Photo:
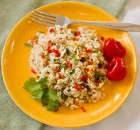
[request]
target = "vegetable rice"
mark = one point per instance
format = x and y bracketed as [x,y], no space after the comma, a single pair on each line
[73,62]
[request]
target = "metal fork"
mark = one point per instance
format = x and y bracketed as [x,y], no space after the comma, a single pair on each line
[48,19]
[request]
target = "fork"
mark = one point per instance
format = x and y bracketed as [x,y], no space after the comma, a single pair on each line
[49,19]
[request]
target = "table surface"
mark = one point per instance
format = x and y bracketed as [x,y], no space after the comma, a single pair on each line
[128,116]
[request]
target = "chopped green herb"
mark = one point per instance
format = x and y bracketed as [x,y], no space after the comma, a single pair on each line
[62,66]
[87,86]
[98,76]
[72,55]
[28,45]
[71,71]
[73,32]
[92,37]
[47,57]
[67,51]
[77,60]
[64,97]
[36,37]
[57,60]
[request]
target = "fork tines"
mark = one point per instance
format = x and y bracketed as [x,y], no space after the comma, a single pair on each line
[44,18]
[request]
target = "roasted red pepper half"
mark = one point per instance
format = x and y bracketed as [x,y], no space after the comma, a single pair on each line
[116,69]
[113,48]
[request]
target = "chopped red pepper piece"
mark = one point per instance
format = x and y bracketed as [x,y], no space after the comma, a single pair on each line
[116,69]
[33,71]
[58,70]
[87,69]
[89,51]
[83,109]
[68,64]
[90,62]
[97,81]
[57,53]
[49,42]
[84,78]
[102,38]
[75,39]
[46,63]
[49,49]
[42,56]
[60,76]
[61,29]
[77,87]
[51,30]
[36,41]
[77,33]
[32,40]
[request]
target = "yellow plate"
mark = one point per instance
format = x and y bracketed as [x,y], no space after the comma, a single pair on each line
[16,70]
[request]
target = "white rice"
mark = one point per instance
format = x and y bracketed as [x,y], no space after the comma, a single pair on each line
[89,90]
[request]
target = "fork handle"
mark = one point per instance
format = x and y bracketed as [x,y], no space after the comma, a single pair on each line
[113,25]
